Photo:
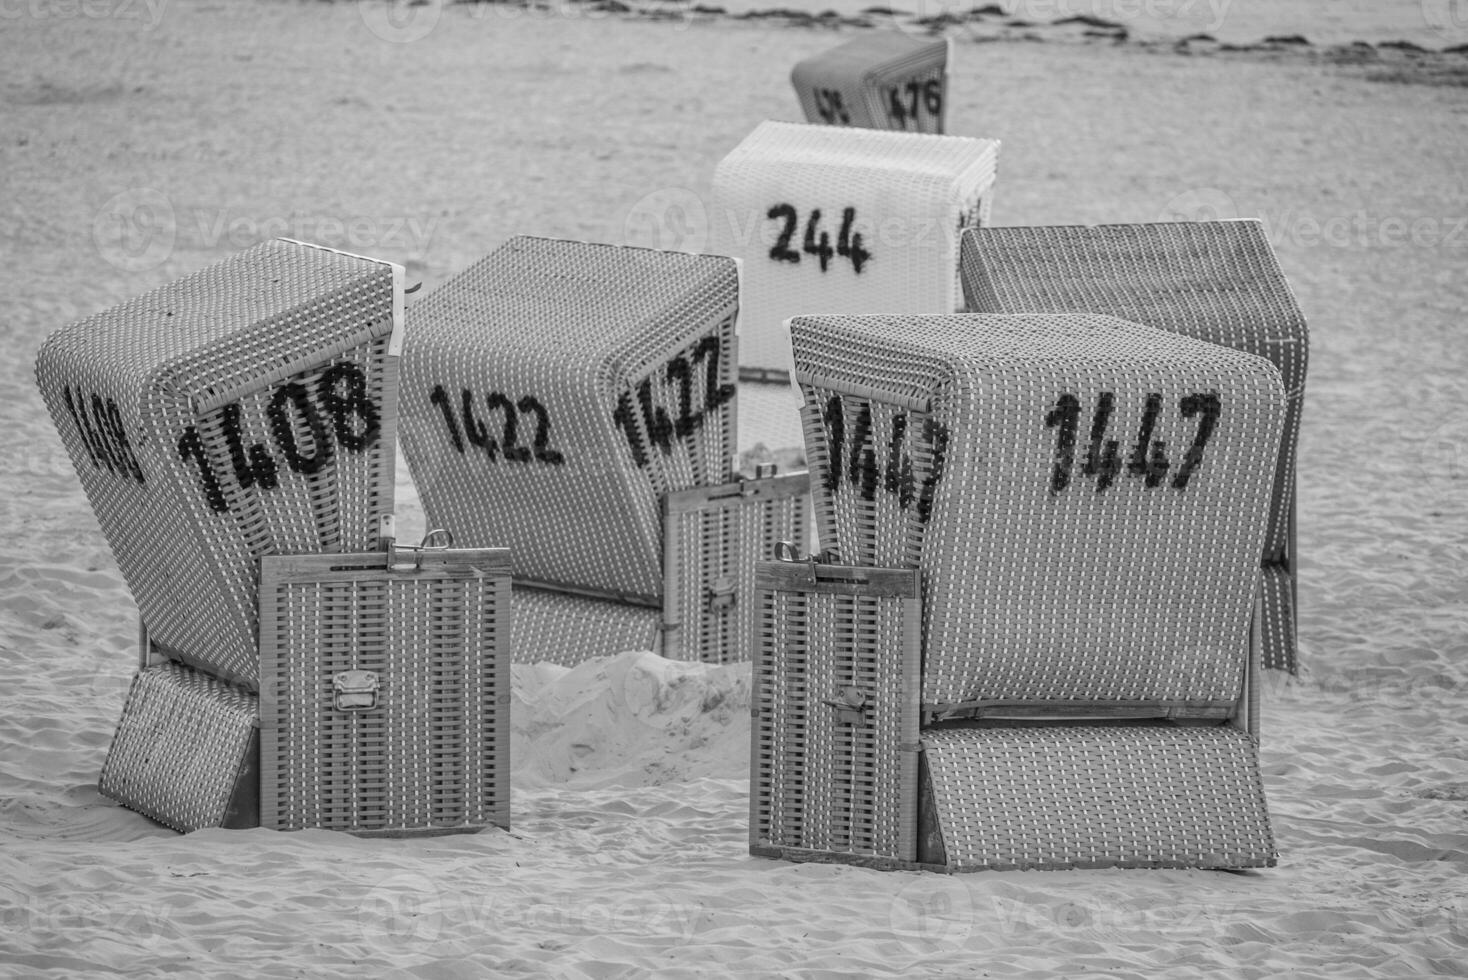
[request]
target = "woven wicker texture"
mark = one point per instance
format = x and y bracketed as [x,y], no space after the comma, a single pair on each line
[822,778]
[831,220]
[1085,497]
[426,750]
[715,538]
[245,410]
[560,628]
[1213,280]
[554,391]
[180,747]
[1092,797]
[881,80]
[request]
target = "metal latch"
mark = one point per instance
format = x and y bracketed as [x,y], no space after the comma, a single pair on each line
[721,596]
[851,708]
[356,690]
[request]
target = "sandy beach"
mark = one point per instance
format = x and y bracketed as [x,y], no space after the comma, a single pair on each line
[147,142]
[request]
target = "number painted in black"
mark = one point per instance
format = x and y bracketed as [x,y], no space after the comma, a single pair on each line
[1065,417]
[781,251]
[298,398]
[440,398]
[823,250]
[933,97]
[250,467]
[849,243]
[714,393]
[1147,458]
[99,423]
[680,372]
[118,433]
[854,460]
[831,107]
[899,479]
[660,428]
[1210,407]
[625,417]
[1102,459]
[357,402]
[936,435]
[930,94]
[654,418]
[509,440]
[191,447]
[836,429]
[540,447]
[474,430]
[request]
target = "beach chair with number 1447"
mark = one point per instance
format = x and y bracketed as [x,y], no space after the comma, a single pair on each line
[1031,640]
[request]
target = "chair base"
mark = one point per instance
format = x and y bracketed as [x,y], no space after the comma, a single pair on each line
[1089,796]
[187,751]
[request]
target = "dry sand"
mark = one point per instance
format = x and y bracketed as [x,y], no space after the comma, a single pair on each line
[134,152]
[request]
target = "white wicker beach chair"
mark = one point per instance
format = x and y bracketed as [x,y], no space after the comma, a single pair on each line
[1084,501]
[576,402]
[840,221]
[382,709]
[881,80]
[242,411]
[1215,280]
[245,416]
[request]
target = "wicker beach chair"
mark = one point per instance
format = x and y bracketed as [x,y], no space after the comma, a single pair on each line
[242,411]
[382,707]
[839,221]
[881,80]
[1083,500]
[576,403]
[1214,280]
[237,427]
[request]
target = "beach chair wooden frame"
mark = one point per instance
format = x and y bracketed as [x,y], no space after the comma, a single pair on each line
[1087,689]
[385,696]
[1218,281]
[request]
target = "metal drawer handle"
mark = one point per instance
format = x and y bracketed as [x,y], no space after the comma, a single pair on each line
[356,690]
